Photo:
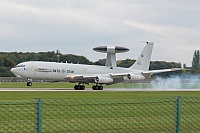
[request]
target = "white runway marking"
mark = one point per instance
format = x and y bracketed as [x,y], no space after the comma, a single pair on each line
[88,89]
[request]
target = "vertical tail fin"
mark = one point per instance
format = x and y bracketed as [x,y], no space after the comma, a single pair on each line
[143,61]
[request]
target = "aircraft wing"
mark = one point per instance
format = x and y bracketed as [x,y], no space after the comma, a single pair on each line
[80,78]
[112,78]
[108,79]
[96,78]
[76,77]
[118,75]
[151,72]
[161,71]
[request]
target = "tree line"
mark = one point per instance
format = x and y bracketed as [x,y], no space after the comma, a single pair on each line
[10,59]
[196,62]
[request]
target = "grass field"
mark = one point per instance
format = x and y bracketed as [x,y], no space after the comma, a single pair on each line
[92,95]
[97,111]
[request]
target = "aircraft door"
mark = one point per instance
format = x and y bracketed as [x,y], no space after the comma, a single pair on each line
[32,69]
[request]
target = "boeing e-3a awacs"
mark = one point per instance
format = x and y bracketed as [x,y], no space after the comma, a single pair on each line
[85,74]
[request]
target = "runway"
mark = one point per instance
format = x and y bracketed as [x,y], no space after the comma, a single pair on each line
[89,90]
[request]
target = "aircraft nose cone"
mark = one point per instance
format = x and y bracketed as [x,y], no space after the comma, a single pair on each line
[12,70]
[16,72]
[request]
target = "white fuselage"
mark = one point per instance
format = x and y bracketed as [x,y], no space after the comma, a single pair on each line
[59,71]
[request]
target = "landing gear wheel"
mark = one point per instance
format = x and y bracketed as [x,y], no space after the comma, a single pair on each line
[29,84]
[79,87]
[83,87]
[100,87]
[76,87]
[96,87]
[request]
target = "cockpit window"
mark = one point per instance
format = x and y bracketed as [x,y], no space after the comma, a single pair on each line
[20,65]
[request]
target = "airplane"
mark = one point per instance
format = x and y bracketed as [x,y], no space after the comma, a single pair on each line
[86,74]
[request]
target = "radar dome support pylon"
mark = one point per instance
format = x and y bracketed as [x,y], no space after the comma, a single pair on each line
[111,54]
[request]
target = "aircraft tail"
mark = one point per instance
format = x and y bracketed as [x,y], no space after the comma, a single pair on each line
[143,61]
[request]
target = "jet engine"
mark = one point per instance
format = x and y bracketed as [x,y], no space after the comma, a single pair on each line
[134,77]
[103,80]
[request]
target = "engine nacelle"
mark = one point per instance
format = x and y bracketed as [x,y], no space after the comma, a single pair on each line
[133,77]
[103,80]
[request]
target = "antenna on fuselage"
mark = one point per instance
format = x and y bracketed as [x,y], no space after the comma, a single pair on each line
[58,55]
[111,54]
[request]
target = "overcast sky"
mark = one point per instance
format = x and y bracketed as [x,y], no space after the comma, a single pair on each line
[77,26]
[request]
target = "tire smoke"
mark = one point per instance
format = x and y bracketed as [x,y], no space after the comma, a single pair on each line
[177,82]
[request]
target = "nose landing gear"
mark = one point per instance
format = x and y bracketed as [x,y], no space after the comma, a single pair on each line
[29,82]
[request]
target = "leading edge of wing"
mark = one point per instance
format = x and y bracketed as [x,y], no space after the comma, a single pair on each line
[161,71]
[70,77]
[92,76]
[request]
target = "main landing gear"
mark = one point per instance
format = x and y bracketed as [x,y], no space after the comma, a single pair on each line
[97,87]
[79,87]
[82,87]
